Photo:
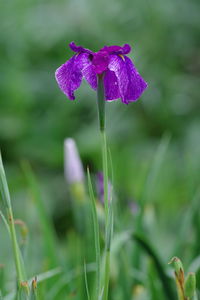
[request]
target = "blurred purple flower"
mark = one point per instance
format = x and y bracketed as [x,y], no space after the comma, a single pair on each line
[121,78]
[72,163]
[134,208]
[100,188]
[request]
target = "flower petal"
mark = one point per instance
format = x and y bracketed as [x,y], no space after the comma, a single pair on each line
[136,84]
[131,84]
[117,49]
[90,75]
[111,86]
[126,49]
[79,49]
[87,69]
[118,66]
[70,74]
[69,77]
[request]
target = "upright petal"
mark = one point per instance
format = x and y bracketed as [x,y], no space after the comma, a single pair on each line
[111,86]
[126,49]
[136,84]
[117,49]
[79,49]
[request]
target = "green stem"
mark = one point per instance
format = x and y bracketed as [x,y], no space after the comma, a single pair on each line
[107,222]
[101,102]
[180,290]
[105,174]
[106,275]
[108,227]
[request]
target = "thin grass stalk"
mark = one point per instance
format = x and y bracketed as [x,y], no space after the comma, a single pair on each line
[167,289]
[19,268]
[96,236]
[106,275]
[7,202]
[86,282]
[46,225]
[5,222]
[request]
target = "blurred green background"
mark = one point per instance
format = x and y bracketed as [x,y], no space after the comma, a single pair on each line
[35,117]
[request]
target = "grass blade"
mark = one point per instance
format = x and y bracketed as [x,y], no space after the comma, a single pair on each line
[46,225]
[96,234]
[155,168]
[5,222]
[67,279]
[169,293]
[86,281]
[19,265]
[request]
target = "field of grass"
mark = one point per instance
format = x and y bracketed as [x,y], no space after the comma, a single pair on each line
[154,144]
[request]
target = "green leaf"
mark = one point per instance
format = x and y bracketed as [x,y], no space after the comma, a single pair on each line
[86,281]
[190,285]
[4,186]
[45,222]
[96,233]
[166,283]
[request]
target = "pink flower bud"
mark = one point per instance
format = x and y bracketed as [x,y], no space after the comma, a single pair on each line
[72,163]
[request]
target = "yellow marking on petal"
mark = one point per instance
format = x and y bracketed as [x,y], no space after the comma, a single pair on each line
[122,56]
[78,54]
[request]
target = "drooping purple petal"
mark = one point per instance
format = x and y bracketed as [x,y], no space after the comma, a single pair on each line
[118,66]
[79,49]
[69,77]
[136,84]
[111,86]
[70,74]
[131,84]
[90,75]
[87,70]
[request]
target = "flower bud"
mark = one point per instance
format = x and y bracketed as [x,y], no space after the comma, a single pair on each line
[190,285]
[178,268]
[72,163]
[33,295]
[24,289]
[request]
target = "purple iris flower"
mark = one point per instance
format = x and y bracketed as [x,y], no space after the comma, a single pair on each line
[121,78]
